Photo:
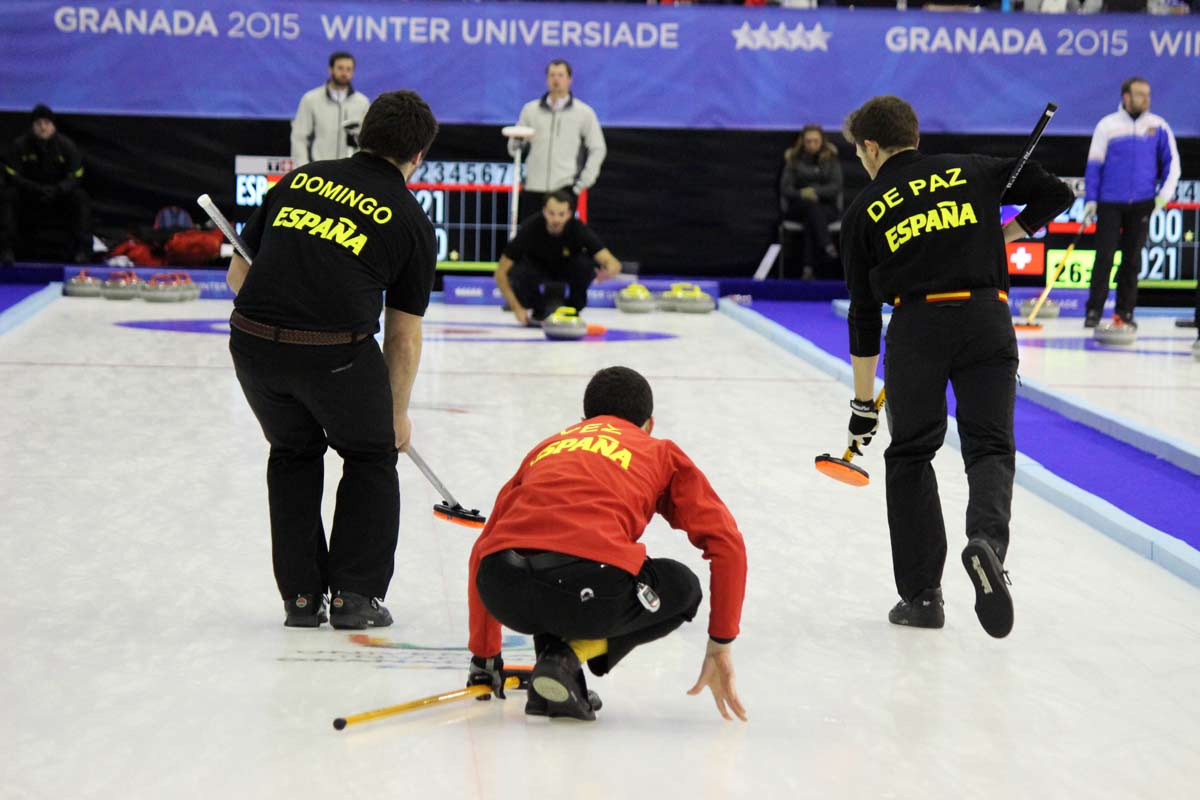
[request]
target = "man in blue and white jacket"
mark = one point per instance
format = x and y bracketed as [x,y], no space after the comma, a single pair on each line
[1133,166]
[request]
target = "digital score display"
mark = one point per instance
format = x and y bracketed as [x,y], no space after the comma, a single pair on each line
[1170,258]
[469,204]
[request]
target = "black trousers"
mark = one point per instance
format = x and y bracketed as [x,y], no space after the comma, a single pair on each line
[582,599]
[531,203]
[24,209]
[972,346]
[1126,224]
[816,218]
[307,398]
[527,278]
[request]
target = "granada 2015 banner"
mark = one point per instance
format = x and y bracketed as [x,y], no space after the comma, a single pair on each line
[639,66]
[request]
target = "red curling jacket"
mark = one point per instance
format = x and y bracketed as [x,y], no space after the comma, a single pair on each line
[601,481]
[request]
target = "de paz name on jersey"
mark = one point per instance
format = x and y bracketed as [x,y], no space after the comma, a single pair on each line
[949,213]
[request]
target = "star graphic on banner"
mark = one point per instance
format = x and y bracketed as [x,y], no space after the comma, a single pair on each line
[818,38]
[744,36]
[762,37]
[781,38]
[799,37]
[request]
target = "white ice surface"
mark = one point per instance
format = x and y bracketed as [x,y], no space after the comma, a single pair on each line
[142,653]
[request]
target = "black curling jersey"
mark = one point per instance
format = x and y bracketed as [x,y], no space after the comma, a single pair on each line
[330,240]
[930,224]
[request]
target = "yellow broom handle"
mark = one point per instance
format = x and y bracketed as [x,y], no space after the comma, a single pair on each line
[424,702]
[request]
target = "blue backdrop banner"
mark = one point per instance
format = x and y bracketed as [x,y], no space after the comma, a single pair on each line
[639,66]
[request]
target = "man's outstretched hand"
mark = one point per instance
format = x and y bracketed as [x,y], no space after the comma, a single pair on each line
[717,674]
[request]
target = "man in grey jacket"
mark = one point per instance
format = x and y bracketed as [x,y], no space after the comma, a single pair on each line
[567,133]
[328,118]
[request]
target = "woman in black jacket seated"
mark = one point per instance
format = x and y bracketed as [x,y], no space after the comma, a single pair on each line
[811,191]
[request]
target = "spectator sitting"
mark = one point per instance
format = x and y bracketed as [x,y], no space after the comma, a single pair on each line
[41,190]
[811,193]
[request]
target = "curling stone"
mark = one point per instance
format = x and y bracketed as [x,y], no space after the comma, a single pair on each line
[121,286]
[564,323]
[1049,309]
[1115,332]
[163,287]
[635,299]
[190,289]
[83,285]
[686,298]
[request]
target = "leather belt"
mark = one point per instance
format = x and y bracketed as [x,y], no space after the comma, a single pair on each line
[959,296]
[537,560]
[287,336]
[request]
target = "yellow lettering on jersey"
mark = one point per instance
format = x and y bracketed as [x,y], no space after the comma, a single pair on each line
[342,230]
[315,184]
[605,445]
[322,228]
[916,185]
[954,172]
[948,214]
[602,445]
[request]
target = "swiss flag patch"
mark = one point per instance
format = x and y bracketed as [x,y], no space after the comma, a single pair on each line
[1026,258]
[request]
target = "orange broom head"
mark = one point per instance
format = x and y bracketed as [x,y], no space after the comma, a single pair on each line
[596,330]
[1027,326]
[841,470]
[459,515]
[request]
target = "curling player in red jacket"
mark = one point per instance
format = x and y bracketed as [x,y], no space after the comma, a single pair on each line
[560,558]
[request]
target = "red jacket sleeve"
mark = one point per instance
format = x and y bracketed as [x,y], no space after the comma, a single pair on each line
[690,504]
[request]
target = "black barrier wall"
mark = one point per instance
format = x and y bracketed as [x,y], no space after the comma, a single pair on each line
[692,202]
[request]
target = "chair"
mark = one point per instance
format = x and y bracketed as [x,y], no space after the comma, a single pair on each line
[787,226]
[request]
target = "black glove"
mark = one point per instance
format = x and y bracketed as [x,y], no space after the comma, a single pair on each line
[864,422]
[487,672]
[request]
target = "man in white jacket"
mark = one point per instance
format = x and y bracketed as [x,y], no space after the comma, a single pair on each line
[567,133]
[328,118]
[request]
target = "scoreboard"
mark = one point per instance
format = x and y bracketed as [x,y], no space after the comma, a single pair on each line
[1170,258]
[467,201]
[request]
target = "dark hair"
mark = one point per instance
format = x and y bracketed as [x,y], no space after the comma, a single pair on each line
[338,56]
[827,150]
[1128,84]
[886,120]
[558,61]
[42,111]
[561,195]
[618,392]
[398,125]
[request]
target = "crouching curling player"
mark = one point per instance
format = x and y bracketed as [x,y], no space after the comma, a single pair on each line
[560,558]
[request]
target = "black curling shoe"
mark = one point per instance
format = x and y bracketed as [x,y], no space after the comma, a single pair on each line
[537,706]
[558,679]
[306,611]
[923,611]
[993,603]
[352,611]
